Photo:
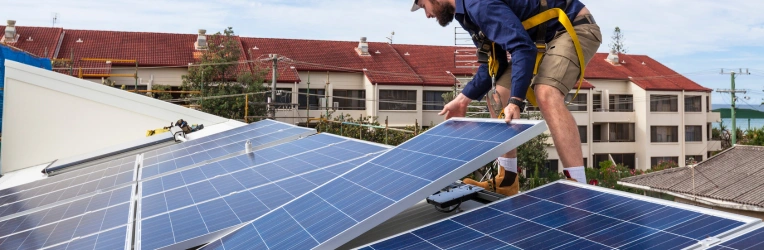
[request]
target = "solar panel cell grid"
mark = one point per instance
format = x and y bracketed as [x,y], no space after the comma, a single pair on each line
[63,223]
[219,195]
[377,188]
[200,153]
[47,195]
[555,216]
[751,240]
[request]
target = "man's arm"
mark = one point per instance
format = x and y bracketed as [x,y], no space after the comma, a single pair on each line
[501,25]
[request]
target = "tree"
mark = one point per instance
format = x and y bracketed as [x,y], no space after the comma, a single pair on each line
[223,79]
[617,43]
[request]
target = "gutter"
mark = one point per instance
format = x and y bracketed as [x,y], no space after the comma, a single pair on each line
[702,200]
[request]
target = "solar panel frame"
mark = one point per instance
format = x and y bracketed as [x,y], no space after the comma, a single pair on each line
[741,238]
[195,241]
[536,127]
[748,222]
[58,202]
[305,133]
[65,223]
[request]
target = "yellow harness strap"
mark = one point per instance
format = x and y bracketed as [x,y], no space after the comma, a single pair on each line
[562,17]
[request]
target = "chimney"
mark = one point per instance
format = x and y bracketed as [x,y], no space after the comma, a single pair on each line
[10,32]
[363,47]
[201,40]
[612,58]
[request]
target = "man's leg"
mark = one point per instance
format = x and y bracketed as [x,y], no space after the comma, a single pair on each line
[557,75]
[506,181]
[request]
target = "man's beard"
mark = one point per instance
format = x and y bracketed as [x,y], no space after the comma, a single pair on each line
[444,13]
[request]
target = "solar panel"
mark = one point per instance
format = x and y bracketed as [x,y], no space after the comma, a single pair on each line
[73,220]
[353,203]
[189,208]
[569,215]
[121,173]
[105,240]
[179,156]
[753,239]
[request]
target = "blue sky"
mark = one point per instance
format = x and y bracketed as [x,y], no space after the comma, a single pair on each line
[696,38]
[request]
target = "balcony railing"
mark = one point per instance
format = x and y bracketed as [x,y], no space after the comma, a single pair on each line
[614,140]
[613,110]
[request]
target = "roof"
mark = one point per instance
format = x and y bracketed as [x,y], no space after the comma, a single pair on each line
[736,175]
[398,64]
[642,70]
[39,41]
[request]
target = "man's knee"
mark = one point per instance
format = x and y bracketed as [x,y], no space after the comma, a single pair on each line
[548,95]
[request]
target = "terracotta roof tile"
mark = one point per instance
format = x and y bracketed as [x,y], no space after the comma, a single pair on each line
[651,75]
[736,175]
[42,40]
[385,67]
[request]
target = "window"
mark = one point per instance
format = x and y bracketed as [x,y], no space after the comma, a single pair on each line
[577,104]
[597,102]
[655,161]
[433,100]
[582,133]
[550,167]
[693,104]
[622,132]
[708,103]
[315,95]
[621,103]
[586,163]
[350,99]
[627,160]
[693,133]
[664,134]
[283,98]
[597,135]
[663,103]
[397,100]
[693,159]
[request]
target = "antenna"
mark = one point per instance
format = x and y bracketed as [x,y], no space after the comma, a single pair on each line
[54,15]
[391,37]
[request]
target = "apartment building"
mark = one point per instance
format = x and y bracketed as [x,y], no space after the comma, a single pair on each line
[631,109]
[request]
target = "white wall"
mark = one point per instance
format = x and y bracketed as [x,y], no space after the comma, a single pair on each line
[165,76]
[49,116]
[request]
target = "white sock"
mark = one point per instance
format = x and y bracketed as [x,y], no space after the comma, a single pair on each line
[509,164]
[578,173]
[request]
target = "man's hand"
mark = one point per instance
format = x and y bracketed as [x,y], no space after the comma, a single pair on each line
[511,112]
[457,107]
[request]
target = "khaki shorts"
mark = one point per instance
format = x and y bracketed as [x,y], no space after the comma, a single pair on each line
[560,67]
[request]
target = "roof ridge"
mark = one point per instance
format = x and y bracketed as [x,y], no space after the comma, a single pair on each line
[397,54]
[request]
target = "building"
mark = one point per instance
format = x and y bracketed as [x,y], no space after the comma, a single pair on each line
[627,110]
[730,181]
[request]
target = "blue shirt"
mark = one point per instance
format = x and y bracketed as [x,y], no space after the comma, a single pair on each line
[501,22]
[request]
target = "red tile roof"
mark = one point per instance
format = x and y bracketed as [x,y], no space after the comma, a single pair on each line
[651,75]
[42,40]
[394,64]
[385,67]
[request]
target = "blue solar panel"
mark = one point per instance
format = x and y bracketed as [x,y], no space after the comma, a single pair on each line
[106,240]
[349,205]
[567,215]
[751,240]
[204,200]
[121,173]
[66,222]
[167,160]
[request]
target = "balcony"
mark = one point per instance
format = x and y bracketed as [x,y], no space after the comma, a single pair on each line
[714,117]
[614,115]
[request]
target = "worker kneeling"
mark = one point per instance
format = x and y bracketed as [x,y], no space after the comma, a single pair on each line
[497,27]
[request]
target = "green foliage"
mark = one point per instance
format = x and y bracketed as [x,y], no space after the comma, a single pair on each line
[161,96]
[754,137]
[366,133]
[617,43]
[221,74]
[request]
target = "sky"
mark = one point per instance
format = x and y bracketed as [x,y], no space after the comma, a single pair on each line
[695,38]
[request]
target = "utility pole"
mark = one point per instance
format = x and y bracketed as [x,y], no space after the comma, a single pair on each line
[275,59]
[732,92]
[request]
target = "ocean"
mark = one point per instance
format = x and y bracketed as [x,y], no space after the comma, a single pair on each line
[741,123]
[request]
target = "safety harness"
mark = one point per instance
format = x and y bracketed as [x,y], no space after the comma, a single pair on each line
[540,20]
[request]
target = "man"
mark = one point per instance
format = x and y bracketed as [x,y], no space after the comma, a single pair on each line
[500,23]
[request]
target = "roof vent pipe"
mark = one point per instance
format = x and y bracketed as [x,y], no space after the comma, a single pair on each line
[10,32]
[612,58]
[363,47]
[201,40]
